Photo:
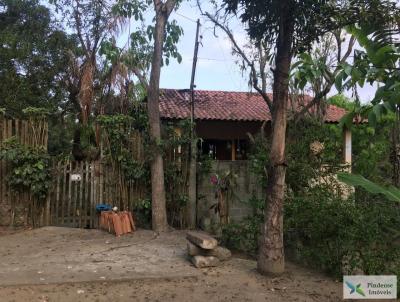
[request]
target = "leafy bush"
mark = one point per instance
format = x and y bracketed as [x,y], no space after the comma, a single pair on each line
[30,167]
[243,236]
[341,236]
[325,231]
[142,212]
[304,166]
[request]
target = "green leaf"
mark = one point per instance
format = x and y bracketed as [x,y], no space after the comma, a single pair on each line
[372,119]
[347,120]
[347,69]
[356,180]
[179,58]
[339,80]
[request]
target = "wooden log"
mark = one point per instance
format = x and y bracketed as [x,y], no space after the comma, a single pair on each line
[220,252]
[202,261]
[202,240]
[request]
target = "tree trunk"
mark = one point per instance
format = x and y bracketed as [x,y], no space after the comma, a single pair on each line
[396,149]
[159,211]
[271,254]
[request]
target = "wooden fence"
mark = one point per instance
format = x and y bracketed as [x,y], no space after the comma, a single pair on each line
[80,186]
[77,186]
[13,205]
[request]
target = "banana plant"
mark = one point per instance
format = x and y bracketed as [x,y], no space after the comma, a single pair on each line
[392,193]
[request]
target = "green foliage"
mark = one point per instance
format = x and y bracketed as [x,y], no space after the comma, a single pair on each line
[322,229]
[371,145]
[175,147]
[243,235]
[36,112]
[259,158]
[391,193]
[141,48]
[32,57]
[307,70]
[131,8]
[60,136]
[372,148]
[173,138]
[225,181]
[376,63]
[341,236]
[204,165]
[224,187]
[342,101]
[311,19]
[303,165]
[30,167]
[142,212]
[118,129]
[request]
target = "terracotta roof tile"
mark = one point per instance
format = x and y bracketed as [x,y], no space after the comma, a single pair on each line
[225,105]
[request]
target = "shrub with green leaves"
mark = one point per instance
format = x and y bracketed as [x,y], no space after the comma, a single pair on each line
[30,167]
[142,212]
[243,235]
[117,129]
[341,236]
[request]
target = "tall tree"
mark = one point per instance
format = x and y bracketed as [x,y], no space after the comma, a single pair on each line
[145,57]
[92,22]
[159,210]
[32,57]
[290,26]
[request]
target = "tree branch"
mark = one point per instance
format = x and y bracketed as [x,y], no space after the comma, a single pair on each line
[241,53]
[169,6]
[78,28]
[330,79]
[142,78]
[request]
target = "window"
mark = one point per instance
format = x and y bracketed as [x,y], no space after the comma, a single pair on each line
[225,149]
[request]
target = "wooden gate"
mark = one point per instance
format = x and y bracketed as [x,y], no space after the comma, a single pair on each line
[73,196]
[80,186]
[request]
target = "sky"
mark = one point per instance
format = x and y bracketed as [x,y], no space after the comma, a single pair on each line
[217,68]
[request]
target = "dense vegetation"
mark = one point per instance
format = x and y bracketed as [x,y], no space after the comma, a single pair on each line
[65,60]
[341,234]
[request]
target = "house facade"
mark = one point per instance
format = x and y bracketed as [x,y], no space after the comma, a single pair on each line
[224,121]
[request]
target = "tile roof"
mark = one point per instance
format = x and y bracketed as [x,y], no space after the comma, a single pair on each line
[225,105]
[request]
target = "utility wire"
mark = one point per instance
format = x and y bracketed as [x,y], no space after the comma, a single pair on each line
[188,18]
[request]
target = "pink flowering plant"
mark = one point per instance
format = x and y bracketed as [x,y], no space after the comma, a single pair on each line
[223,193]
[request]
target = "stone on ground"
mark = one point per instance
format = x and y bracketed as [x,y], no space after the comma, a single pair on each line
[220,252]
[202,240]
[203,261]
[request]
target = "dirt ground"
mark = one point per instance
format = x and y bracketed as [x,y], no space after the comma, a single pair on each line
[61,264]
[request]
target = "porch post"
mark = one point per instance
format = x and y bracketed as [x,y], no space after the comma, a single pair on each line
[233,157]
[347,148]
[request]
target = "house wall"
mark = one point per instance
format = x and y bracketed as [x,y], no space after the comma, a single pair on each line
[245,187]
